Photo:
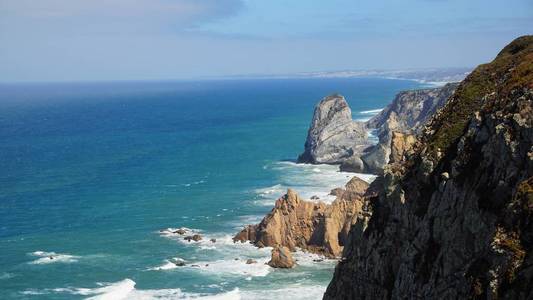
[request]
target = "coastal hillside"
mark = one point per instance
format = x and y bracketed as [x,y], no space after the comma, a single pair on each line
[453,220]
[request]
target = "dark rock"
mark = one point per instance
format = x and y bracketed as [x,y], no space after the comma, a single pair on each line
[195,238]
[454,219]
[353,164]
[180,231]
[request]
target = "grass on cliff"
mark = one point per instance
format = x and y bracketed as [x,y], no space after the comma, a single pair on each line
[511,69]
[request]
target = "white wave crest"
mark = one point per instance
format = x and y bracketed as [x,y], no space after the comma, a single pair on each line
[125,289]
[309,181]
[371,111]
[52,257]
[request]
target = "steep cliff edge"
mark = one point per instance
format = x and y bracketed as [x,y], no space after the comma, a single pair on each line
[333,136]
[455,218]
[312,226]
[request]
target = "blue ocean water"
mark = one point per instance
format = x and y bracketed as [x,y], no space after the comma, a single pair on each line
[90,173]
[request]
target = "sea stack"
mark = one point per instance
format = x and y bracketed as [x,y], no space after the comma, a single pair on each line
[333,136]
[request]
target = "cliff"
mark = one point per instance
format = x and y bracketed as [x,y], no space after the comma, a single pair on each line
[453,219]
[406,115]
[410,110]
[333,136]
[312,226]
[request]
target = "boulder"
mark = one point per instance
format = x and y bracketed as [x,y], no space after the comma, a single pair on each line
[180,231]
[353,164]
[195,238]
[281,258]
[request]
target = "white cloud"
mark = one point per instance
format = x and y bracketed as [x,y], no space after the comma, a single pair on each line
[113,15]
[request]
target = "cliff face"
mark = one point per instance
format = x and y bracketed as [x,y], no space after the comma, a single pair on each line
[410,110]
[455,218]
[313,226]
[406,115]
[333,135]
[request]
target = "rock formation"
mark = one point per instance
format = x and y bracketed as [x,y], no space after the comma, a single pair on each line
[410,110]
[406,115]
[281,258]
[313,226]
[454,220]
[333,135]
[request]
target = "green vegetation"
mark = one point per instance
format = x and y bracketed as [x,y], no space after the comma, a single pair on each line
[511,69]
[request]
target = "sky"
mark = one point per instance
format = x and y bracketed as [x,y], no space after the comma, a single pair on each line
[79,40]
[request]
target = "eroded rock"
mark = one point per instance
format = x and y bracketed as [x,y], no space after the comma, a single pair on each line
[333,136]
[281,258]
[313,226]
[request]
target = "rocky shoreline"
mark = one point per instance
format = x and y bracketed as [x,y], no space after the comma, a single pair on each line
[334,138]
[450,214]
[453,219]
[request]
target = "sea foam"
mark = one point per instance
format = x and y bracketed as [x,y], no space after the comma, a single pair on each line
[125,289]
[52,257]
[307,180]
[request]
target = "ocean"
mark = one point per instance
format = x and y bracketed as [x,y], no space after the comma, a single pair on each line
[91,173]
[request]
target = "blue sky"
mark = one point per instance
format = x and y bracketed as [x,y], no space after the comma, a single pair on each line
[70,40]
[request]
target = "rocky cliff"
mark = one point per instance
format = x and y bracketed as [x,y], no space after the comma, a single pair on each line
[406,115]
[313,226]
[333,136]
[410,110]
[454,220]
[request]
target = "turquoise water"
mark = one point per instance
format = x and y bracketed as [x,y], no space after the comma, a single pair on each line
[90,174]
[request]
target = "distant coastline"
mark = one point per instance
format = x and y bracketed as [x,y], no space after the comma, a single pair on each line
[430,76]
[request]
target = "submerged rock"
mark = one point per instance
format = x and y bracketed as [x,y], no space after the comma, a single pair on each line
[333,136]
[180,231]
[195,238]
[251,261]
[281,258]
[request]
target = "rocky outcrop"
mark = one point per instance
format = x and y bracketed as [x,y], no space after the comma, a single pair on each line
[454,219]
[406,115]
[313,226]
[410,110]
[333,135]
[281,258]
